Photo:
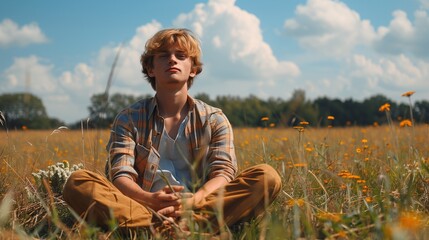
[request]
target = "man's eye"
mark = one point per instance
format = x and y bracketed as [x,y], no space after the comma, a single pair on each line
[181,56]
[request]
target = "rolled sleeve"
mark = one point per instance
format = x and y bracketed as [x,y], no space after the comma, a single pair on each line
[221,154]
[121,149]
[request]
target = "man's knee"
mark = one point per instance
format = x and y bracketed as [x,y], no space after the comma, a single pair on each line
[271,178]
[267,178]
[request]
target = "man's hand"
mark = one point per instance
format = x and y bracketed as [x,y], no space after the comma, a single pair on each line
[170,201]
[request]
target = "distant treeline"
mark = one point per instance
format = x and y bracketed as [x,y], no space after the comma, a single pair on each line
[22,110]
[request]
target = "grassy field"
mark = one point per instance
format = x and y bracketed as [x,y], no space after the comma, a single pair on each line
[338,183]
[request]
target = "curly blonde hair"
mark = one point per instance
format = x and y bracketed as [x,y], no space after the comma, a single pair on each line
[164,39]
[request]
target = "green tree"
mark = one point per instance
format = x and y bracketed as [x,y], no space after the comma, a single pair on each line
[25,109]
[103,110]
[301,109]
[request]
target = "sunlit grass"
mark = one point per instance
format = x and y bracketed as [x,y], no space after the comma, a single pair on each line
[354,182]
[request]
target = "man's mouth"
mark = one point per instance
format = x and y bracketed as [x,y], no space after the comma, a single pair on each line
[173,69]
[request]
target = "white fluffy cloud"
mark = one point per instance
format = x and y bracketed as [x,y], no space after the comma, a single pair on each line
[404,36]
[362,61]
[65,96]
[424,4]
[11,34]
[390,76]
[329,27]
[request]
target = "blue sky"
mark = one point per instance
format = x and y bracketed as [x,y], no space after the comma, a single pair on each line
[62,51]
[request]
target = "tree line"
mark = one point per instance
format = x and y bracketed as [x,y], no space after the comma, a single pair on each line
[23,110]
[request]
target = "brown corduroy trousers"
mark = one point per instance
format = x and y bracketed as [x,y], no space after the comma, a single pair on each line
[97,200]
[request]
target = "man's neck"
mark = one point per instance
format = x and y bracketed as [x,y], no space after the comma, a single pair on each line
[171,104]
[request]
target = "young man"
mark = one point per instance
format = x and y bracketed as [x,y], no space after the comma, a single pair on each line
[172,153]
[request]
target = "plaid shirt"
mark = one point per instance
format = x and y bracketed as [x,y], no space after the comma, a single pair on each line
[136,133]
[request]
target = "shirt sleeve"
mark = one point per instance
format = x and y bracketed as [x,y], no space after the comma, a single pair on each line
[221,153]
[121,147]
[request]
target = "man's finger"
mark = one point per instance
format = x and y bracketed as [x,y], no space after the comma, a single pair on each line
[166,211]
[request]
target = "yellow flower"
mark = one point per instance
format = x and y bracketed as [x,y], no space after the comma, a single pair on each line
[384,108]
[292,202]
[327,216]
[405,123]
[408,94]
[411,221]
[331,117]
[299,128]
[304,123]
[272,124]
[353,177]
[368,199]
[364,140]
[300,165]
[265,119]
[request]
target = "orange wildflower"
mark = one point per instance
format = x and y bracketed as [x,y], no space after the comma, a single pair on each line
[384,108]
[300,165]
[265,119]
[292,202]
[411,221]
[334,217]
[331,117]
[405,123]
[408,94]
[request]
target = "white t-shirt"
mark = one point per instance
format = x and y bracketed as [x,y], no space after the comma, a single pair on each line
[174,163]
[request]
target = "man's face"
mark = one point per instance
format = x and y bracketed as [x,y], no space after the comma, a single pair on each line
[171,68]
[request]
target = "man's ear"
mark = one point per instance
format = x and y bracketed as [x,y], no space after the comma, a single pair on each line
[193,72]
[150,72]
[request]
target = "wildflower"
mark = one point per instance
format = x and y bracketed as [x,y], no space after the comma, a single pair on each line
[411,221]
[353,177]
[344,173]
[361,181]
[405,123]
[384,108]
[272,125]
[304,123]
[342,234]
[364,140]
[327,216]
[265,119]
[300,165]
[331,117]
[358,150]
[292,202]
[408,94]
[368,199]
[299,128]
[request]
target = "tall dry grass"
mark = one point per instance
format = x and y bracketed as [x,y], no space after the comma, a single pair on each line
[351,183]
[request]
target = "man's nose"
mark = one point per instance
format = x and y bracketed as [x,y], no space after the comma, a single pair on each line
[172,59]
